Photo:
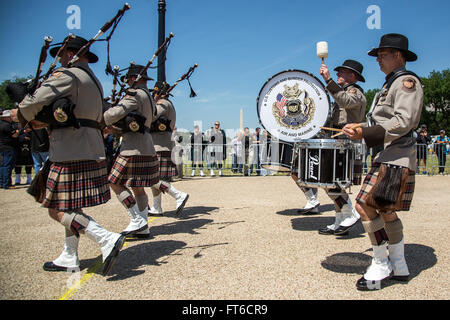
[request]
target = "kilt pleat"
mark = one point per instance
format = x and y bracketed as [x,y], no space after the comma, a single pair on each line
[371,179]
[135,171]
[76,184]
[167,168]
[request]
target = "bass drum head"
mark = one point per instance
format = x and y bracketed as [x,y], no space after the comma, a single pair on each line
[293,105]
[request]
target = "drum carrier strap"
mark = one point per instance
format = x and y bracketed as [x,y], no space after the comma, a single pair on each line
[386,86]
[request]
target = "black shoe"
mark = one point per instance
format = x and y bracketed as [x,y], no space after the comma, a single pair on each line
[50,266]
[112,257]
[368,285]
[326,231]
[400,278]
[311,211]
[341,230]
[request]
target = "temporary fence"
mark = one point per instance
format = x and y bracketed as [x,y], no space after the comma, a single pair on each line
[431,159]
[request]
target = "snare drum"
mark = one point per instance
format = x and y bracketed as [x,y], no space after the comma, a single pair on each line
[278,157]
[325,163]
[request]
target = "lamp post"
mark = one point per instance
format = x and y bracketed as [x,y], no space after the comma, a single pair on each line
[161,38]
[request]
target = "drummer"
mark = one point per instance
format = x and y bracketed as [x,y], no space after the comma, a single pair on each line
[348,107]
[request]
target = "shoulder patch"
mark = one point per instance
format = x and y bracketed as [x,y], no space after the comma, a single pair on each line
[352,91]
[56,74]
[409,84]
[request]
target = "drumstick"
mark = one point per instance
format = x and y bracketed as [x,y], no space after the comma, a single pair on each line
[331,129]
[342,132]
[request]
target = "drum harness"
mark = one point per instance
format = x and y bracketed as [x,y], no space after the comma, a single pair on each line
[387,85]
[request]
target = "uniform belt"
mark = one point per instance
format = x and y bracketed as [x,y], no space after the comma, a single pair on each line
[89,123]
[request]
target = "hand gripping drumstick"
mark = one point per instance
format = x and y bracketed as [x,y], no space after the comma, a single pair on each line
[342,132]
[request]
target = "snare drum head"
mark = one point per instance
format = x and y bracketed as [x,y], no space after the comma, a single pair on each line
[293,105]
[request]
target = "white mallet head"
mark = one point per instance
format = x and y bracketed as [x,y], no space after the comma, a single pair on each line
[322,49]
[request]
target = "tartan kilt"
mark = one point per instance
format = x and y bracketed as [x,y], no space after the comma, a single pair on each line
[371,178]
[167,169]
[76,184]
[135,171]
[357,172]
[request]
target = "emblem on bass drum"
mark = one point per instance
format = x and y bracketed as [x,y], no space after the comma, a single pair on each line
[293,105]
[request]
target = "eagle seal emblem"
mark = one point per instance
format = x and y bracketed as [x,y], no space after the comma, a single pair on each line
[293,107]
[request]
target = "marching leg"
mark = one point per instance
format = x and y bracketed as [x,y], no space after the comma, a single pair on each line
[156,209]
[396,247]
[68,259]
[138,219]
[350,215]
[110,242]
[380,268]
[312,203]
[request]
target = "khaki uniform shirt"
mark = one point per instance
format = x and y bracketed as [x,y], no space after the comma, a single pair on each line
[134,143]
[350,104]
[69,144]
[398,111]
[163,140]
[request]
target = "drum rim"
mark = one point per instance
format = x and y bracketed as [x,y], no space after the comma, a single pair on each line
[275,75]
[326,142]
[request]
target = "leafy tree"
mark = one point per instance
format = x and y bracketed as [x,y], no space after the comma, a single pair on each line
[370,95]
[436,101]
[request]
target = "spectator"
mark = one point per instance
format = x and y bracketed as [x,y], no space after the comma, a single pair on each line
[7,149]
[236,152]
[246,143]
[198,144]
[219,147]
[440,147]
[39,148]
[209,151]
[177,153]
[24,158]
[422,144]
[256,163]
[265,142]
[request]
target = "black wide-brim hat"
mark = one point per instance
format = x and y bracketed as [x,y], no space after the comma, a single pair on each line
[354,66]
[134,70]
[76,44]
[394,41]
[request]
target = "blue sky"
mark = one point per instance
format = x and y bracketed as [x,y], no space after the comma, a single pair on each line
[238,44]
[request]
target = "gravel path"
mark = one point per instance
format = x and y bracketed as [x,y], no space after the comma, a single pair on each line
[239,238]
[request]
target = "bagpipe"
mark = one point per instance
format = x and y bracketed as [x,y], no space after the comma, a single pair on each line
[60,113]
[163,89]
[134,121]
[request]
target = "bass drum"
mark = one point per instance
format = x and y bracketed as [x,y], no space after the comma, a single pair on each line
[278,157]
[293,105]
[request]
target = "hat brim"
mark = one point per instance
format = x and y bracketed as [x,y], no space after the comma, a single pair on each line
[92,58]
[361,78]
[409,55]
